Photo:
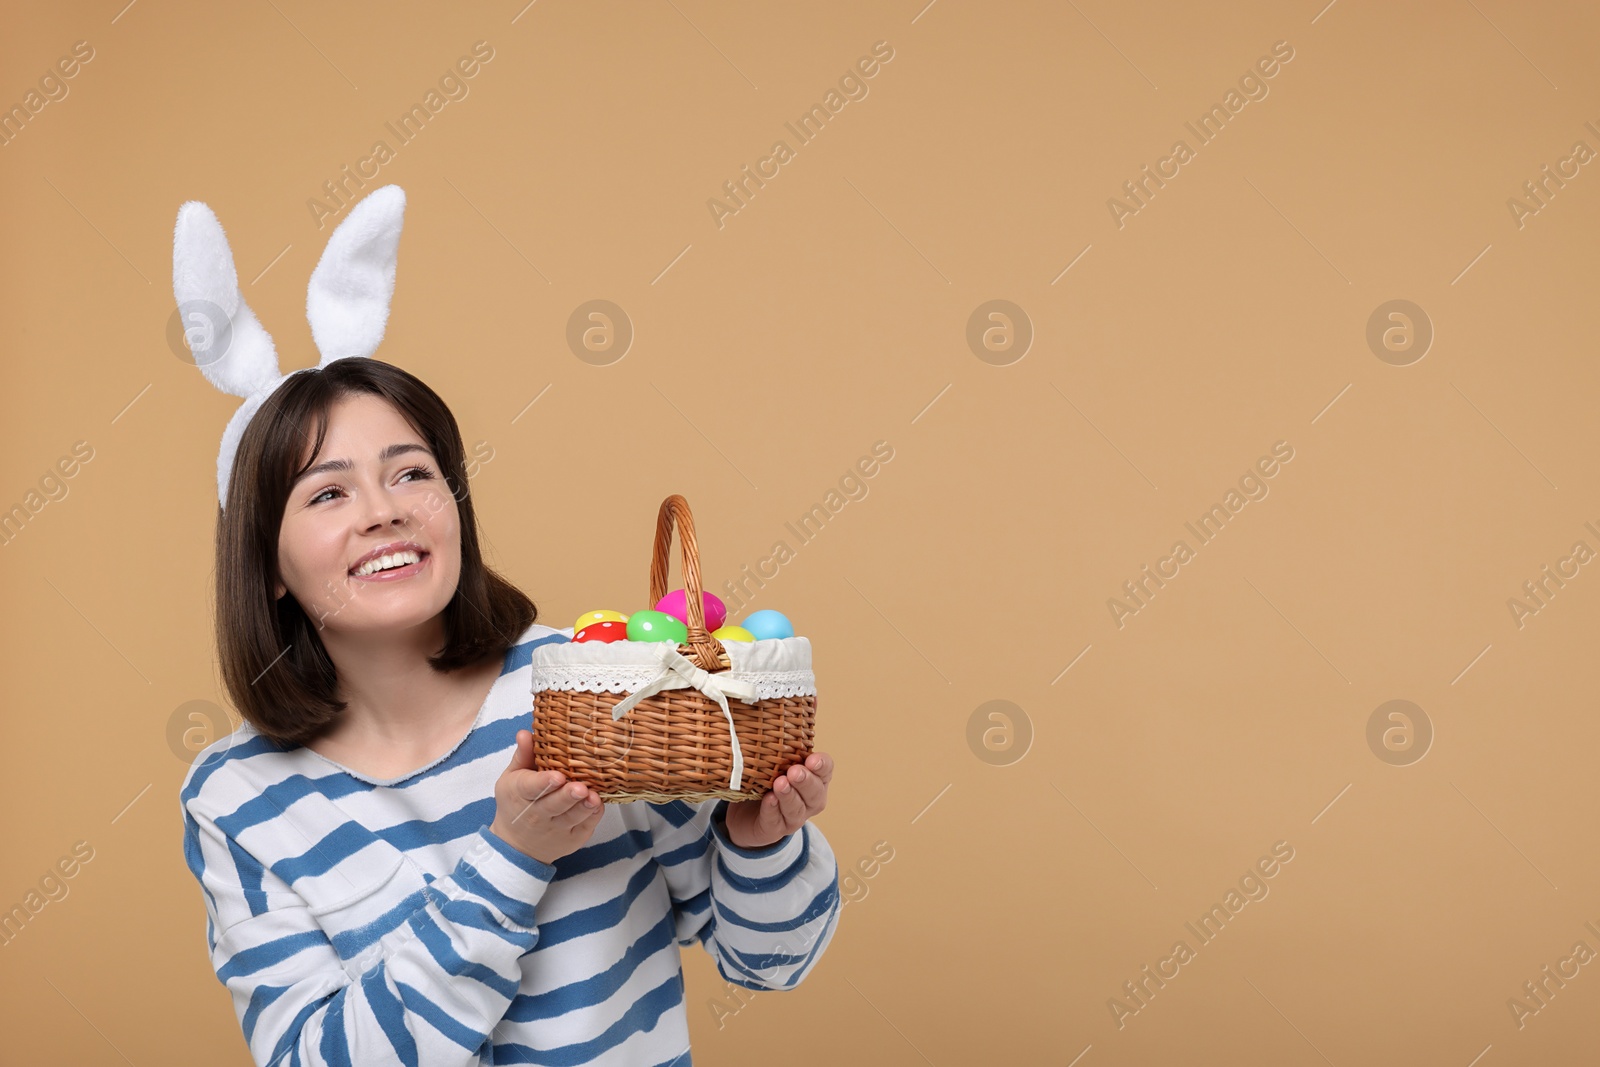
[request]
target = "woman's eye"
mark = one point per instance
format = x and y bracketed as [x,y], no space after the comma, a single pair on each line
[423,473]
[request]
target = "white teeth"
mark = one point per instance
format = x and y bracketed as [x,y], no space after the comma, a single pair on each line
[398,559]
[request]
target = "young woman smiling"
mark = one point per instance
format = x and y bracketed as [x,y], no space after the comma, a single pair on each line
[381,884]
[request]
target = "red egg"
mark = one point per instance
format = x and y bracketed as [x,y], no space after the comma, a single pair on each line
[603,631]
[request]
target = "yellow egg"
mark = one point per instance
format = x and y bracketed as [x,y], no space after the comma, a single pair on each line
[733,633]
[589,617]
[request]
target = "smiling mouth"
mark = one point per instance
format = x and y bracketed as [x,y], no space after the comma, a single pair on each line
[402,564]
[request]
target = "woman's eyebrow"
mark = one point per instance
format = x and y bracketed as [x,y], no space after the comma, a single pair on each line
[344,464]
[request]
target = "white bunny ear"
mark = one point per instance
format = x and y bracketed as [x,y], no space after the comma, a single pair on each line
[347,302]
[230,346]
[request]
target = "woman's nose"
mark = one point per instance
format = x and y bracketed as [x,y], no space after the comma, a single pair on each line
[383,507]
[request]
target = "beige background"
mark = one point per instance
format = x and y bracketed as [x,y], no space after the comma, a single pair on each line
[831,312]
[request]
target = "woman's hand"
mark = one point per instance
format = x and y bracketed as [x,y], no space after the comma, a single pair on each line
[540,813]
[796,795]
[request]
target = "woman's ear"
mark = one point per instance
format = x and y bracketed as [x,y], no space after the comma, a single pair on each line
[279,594]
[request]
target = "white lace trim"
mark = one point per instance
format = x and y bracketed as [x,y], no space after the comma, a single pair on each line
[620,678]
[777,668]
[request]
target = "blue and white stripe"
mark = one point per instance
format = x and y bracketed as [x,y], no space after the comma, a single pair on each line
[364,922]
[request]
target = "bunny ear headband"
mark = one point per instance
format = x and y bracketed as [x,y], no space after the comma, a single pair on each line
[347,304]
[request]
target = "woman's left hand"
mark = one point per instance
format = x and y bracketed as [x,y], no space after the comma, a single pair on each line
[796,795]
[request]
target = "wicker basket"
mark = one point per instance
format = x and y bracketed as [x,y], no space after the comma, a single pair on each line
[675,741]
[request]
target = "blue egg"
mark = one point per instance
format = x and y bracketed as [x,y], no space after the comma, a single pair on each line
[767,624]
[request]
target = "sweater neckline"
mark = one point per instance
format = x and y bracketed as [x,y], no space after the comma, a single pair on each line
[476,722]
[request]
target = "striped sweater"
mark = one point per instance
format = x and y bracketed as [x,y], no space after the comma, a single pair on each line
[363,922]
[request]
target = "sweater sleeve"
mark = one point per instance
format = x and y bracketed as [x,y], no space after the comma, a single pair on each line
[430,995]
[765,915]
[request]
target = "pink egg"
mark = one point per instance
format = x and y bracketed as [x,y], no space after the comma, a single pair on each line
[603,631]
[676,604]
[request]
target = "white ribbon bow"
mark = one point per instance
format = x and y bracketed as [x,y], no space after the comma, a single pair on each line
[679,672]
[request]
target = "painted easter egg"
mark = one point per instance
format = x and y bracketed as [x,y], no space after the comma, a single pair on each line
[590,617]
[656,626]
[767,624]
[607,630]
[733,633]
[676,604]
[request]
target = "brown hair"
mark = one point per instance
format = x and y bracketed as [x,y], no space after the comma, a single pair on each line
[274,665]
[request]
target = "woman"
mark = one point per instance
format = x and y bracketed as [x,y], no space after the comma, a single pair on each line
[385,877]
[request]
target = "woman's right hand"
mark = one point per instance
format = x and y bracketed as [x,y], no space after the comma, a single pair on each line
[539,813]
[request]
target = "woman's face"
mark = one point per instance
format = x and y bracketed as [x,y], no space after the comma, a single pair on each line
[375,488]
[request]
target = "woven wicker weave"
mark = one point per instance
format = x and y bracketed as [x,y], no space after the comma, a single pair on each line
[674,744]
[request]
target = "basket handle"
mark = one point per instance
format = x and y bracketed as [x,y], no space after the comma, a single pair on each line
[704,650]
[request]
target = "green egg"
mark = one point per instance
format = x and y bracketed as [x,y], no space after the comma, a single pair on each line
[650,625]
